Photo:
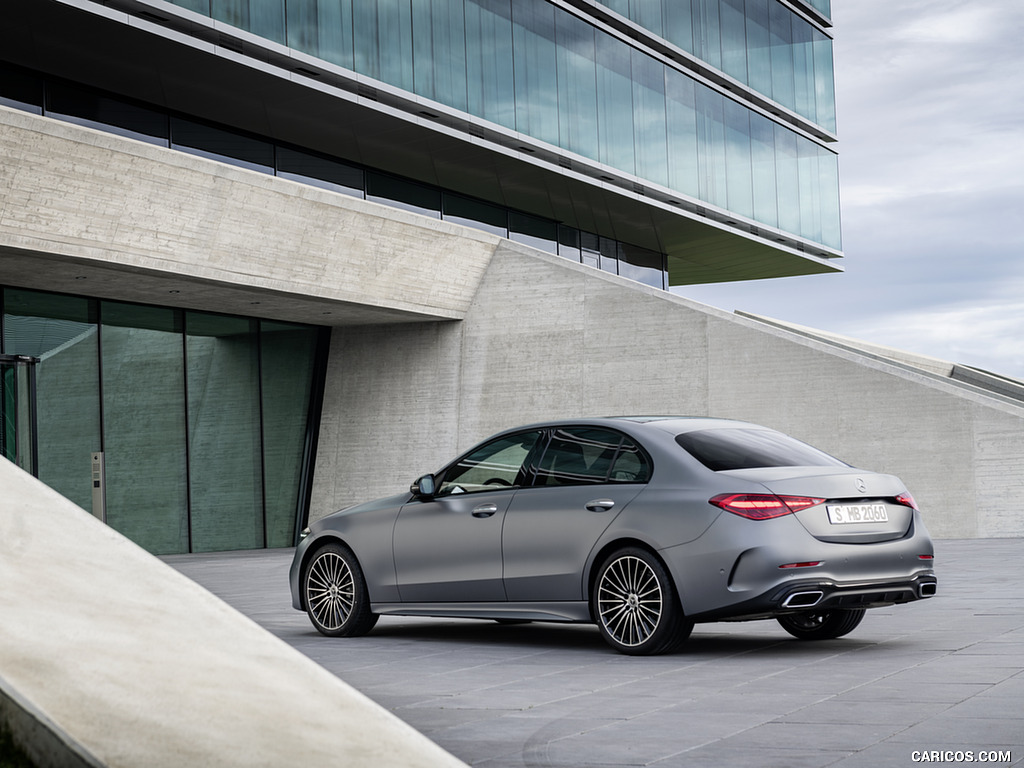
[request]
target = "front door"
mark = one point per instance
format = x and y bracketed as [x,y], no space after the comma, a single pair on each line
[448,548]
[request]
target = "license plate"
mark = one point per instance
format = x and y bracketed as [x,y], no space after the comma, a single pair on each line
[848,514]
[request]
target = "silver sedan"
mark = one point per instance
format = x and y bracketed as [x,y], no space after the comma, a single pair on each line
[642,526]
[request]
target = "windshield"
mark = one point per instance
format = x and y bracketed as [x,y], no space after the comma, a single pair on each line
[742,448]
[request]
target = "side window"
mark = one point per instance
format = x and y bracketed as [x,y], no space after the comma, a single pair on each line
[583,455]
[631,465]
[490,467]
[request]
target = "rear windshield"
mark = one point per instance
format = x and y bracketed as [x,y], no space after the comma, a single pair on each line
[739,448]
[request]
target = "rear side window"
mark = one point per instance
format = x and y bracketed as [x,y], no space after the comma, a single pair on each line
[586,455]
[739,448]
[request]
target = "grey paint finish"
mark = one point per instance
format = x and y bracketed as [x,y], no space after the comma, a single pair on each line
[536,550]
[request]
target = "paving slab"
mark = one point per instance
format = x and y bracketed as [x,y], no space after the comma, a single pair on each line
[941,675]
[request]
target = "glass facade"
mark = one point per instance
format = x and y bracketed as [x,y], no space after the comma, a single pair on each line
[536,68]
[824,7]
[202,418]
[94,109]
[761,43]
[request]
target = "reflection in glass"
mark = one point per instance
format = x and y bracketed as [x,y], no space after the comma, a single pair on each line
[287,354]
[223,145]
[400,193]
[319,171]
[224,450]
[476,214]
[61,331]
[540,233]
[96,110]
[536,68]
[144,425]
[643,265]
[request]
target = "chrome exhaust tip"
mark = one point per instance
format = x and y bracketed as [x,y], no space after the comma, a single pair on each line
[928,589]
[803,599]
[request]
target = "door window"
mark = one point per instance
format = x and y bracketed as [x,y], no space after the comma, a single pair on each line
[583,455]
[493,466]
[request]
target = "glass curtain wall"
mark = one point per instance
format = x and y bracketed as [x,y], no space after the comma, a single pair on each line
[760,43]
[62,332]
[535,68]
[143,425]
[287,356]
[222,373]
[202,418]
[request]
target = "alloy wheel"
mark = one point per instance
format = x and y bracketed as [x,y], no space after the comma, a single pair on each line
[630,601]
[330,590]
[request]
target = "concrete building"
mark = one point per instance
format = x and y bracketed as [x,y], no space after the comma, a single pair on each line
[260,259]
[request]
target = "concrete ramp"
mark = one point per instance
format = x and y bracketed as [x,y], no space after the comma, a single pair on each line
[109,657]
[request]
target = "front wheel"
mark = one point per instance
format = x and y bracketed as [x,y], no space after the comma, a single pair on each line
[335,593]
[821,625]
[635,605]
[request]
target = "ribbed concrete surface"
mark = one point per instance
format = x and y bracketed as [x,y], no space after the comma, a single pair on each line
[137,666]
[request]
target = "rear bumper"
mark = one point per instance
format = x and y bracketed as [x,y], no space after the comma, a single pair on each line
[824,595]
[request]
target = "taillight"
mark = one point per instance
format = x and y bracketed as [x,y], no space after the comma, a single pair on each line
[762,506]
[907,500]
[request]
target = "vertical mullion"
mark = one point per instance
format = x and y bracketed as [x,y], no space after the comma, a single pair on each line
[263,454]
[188,431]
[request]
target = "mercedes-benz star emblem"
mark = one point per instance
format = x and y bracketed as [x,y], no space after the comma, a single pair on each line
[861,485]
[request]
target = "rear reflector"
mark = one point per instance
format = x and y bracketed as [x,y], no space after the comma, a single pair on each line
[809,564]
[762,506]
[926,557]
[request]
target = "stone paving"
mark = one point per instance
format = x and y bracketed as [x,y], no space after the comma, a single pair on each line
[938,681]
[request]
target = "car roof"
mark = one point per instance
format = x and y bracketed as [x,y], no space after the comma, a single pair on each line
[677,424]
[671,424]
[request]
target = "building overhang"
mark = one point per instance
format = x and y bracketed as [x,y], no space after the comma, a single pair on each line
[87,212]
[191,64]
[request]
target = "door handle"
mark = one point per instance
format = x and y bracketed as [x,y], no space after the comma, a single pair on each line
[485,510]
[600,505]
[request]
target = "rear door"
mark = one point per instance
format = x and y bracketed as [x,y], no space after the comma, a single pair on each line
[584,480]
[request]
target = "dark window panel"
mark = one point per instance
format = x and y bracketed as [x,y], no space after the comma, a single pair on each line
[404,194]
[319,171]
[220,144]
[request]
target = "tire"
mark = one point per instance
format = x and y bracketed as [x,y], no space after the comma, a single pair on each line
[635,605]
[335,594]
[821,625]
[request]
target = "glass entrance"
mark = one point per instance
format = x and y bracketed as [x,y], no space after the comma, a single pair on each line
[18,411]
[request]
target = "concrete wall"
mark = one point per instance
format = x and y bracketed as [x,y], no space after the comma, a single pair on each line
[110,657]
[228,236]
[545,338]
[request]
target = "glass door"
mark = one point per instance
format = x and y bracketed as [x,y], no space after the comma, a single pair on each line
[18,411]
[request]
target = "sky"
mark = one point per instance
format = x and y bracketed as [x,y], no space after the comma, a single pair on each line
[930,113]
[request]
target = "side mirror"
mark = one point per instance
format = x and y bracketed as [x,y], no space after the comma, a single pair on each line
[424,487]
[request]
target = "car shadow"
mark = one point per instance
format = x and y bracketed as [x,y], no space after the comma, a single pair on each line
[706,640]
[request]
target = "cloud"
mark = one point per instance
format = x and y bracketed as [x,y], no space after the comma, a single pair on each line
[989,336]
[957,25]
[930,103]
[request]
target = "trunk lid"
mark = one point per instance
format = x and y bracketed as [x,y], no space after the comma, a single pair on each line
[859,508]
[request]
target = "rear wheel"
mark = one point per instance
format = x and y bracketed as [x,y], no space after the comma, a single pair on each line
[821,625]
[335,593]
[635,604]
